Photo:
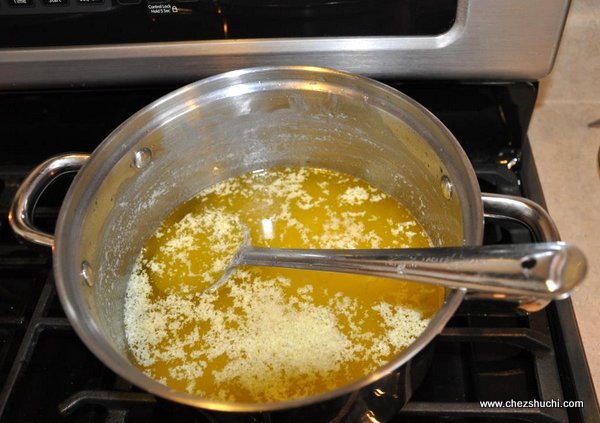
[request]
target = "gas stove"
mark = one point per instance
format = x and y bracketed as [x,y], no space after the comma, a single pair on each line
[488,352]
[67,82]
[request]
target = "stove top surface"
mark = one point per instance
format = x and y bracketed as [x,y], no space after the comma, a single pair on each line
[487,352]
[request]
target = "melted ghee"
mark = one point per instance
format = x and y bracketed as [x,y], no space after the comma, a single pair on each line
[273,334]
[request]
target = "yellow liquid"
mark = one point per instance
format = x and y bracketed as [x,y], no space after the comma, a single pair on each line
[273,334]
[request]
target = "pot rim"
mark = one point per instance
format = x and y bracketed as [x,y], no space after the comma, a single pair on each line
[70,293]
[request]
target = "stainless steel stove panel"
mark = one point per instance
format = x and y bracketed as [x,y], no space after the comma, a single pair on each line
[490,39]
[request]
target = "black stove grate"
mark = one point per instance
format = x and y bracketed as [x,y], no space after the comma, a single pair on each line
[487,352]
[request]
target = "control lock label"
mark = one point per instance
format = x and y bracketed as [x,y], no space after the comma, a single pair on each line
[162,9]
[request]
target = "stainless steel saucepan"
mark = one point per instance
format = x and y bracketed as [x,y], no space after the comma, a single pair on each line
[227,125]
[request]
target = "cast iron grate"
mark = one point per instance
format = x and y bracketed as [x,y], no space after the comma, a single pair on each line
[487,352]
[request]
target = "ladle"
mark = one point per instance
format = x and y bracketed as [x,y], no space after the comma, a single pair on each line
[542,270]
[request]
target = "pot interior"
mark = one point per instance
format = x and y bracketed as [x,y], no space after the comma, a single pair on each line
[228,125]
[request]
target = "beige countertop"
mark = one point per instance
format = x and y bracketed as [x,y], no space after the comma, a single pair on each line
[565,149]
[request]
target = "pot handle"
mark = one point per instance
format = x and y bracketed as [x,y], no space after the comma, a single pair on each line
[536,219]
[521,210]
[21,211]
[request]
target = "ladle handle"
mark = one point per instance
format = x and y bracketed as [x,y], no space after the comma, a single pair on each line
[544,270]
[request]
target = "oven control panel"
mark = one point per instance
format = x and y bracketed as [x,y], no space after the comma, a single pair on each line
[62,7]
[26,23]
[45,7]
[70,43]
